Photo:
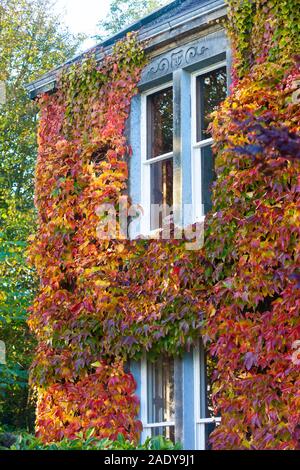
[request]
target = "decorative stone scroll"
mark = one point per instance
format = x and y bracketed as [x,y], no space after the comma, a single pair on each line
[184,56]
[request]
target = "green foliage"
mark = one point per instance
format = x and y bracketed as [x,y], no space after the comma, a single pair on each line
[241,21]
[124,12]
[31,42]
[26,441]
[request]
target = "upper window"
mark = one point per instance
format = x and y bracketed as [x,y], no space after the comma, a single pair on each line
[159,162]
[211,91]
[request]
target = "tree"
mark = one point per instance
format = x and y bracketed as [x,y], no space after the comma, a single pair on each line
[124,12]
[32,41]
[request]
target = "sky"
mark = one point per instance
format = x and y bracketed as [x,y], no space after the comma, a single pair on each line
[82,16]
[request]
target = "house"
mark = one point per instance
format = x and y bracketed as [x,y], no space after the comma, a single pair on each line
[186,77]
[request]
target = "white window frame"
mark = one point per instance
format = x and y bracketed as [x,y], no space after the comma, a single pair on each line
[146,163]
[200,391]
[147,427]
[198,210]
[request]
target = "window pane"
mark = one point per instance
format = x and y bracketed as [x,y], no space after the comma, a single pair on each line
[161,187]
[211,91]
[207,411]
[160,377]
[166,431]
[208,176]
[160,123]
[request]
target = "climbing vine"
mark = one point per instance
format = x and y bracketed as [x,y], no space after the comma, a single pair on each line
[81,164]
[104,301]
[253,241]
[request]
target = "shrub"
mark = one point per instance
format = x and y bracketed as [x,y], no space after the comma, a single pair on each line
[25,441]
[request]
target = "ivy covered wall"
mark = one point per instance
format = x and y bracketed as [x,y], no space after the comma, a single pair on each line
[253,240]
[104,301]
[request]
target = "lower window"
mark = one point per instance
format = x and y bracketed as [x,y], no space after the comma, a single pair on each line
[157,401]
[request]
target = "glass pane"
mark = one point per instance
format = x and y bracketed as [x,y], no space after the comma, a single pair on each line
[207,366]
[160,123]
[160,377]
[209,428]
[211,91]
[161,187]
[166,431]
[208,176]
